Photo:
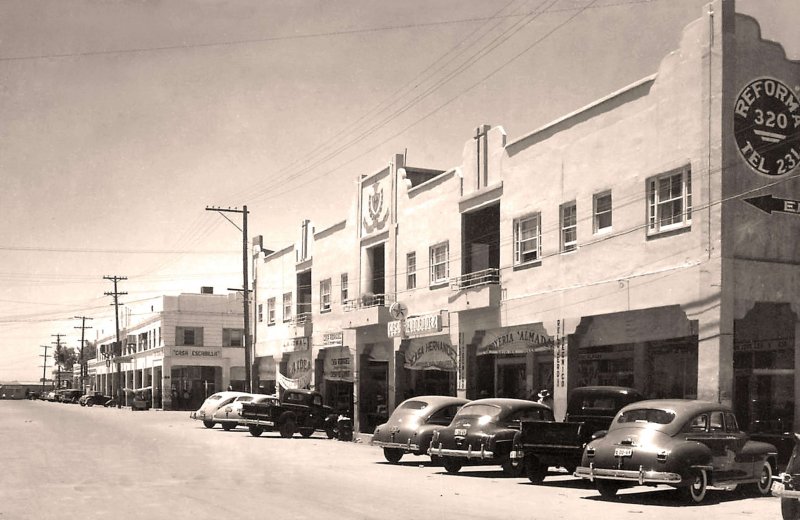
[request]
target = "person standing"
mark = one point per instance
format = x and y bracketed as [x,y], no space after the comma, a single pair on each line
[545,398]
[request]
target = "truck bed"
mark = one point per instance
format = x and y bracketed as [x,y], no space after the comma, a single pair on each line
[552,435]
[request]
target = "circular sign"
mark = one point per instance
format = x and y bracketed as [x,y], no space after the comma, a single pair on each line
[398,311]
[766,126]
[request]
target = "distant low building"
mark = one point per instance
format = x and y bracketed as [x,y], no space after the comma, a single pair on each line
[22,389]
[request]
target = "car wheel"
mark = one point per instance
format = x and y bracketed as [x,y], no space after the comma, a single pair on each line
[228,426]
[607,488]
[451,465]
[763,487]
[89,403]
[286,429]
[207,424]
[256,431]
[536,471]
[513,469]
[393,455]
[695,492]
[307,432]
[790,508]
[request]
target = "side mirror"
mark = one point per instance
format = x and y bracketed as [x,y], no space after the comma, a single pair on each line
[599,434]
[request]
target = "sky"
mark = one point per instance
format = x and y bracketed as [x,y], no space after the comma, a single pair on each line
[122,120]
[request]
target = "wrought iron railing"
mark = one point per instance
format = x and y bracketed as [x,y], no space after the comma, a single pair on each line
[477,279]
[367,301]
[302,318]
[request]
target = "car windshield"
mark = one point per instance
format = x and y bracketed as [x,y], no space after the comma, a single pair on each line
[647,415]
[479,410]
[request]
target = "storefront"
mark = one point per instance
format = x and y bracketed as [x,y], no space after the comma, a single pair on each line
[429,366]
[337,378]
[373,385]
[296,369]
[267,375]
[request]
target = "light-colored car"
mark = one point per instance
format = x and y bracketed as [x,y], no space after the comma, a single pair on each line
[230,415]
[212,403]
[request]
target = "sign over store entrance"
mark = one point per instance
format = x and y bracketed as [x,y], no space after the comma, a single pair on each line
[517,340]
[434,354]
[338,364]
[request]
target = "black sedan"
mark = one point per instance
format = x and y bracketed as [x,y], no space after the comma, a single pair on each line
[482,432]
[686,444]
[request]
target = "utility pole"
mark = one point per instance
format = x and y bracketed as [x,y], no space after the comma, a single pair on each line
[57,363]
[44,367]
[248,363]
[83,328]
[117,351]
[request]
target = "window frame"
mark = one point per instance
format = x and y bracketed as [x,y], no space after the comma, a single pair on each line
[260,312]
[444,263]
[344,287]
[655,204]
[271,311]
[325,295]
[287,316]
[519,241]
[565,227]
[180,336]
[596,214]
[227,339]
[411,270]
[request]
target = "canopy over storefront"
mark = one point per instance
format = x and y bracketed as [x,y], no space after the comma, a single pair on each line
[522,339]
[431,354]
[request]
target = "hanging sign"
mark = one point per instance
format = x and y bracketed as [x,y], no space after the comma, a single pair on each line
[416,326]
[338,365]
[431,355]
[299,369]
[766,127]
[332,339]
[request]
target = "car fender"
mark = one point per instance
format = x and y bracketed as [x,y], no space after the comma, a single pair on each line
[686,455]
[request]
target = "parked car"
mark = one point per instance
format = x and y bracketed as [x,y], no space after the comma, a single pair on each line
[410,427]
[590,409]
[92,398]
[483,431]
[297,411]
[206,411]
[230,415]
[686,444]
[787,485]
[50,396]
[68,395]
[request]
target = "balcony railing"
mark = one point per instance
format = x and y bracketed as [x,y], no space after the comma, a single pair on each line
[302,318]
[369,300]
[477,279]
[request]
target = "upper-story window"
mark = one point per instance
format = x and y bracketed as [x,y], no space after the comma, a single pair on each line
[232,337]
[411,270]
[569,227]
[344,287]
[271,311]
[287,306]
[440,269]
[325,295]
[527,239]
[260,312]
[669,201]
[602,212]
[188,336]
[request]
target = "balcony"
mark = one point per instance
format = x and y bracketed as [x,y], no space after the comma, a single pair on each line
[302,325]
[370,309]
[477,290]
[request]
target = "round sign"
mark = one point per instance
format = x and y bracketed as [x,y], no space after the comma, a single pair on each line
[398,311]
[766,126]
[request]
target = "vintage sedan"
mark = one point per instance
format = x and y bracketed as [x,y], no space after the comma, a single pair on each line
[215,401]
[230,415]
[411,425]
[482,432]
[686,444]
[788,485]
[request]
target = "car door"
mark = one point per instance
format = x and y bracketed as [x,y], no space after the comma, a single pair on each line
[709,428]
[742,466]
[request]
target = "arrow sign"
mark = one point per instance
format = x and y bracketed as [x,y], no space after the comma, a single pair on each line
[768,204]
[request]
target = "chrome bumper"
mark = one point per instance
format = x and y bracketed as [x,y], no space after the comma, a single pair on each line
[198,416]
[641,476]
[464,454]
[257,422]
[396,445]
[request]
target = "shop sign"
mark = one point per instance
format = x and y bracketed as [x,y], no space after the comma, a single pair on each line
[298,370]
[431,355]
[296,344]
[517,340]
[462,363]
[768,204]
[763,345]
[416,326]
[196,352]
[332,339]
[766,127]
[338,365]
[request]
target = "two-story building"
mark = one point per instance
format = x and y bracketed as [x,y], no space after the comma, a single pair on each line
[648,239]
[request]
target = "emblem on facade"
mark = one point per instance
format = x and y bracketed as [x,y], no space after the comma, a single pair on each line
[767,127]
[375,216]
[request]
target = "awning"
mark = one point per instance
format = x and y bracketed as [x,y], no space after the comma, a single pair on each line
[431,354]
[522,339]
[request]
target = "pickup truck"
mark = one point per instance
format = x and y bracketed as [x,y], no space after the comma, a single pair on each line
[297,411]
[590,409]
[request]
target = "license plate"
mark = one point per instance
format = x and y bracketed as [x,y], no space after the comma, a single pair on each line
[623,452]
[461,431]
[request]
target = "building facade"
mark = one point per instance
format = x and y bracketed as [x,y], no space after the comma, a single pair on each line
[648,239]
[175,350]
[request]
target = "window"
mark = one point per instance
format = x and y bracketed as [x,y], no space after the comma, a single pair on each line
[716,424]
[569,227]
[287,306]
[440,270]
[260,312]
[325,295]
[699,423]
[602,212]
[527,239]
[271,311]
[730,423]
[232,337]
[411,270]
[344,288]
[669,198]
[188,336]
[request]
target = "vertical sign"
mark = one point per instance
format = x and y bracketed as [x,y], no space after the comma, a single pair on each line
[462,363]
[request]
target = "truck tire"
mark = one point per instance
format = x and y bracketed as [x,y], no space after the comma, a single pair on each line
[287,429]
[256,431]
[536,470]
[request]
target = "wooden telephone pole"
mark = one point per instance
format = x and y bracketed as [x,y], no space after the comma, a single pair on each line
[117,351]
